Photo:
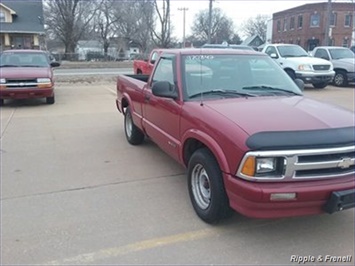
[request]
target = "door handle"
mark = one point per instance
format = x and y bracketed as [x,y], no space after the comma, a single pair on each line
[146,97]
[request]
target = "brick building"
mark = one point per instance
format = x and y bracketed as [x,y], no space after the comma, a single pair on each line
[306,25]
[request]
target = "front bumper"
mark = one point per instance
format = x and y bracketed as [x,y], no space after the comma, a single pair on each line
[308,77]
[252,199]
[26,93]
[351,76]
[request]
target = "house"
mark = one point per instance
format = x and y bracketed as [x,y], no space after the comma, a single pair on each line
[119,49]
[253,41]
[307,25]
[21,24]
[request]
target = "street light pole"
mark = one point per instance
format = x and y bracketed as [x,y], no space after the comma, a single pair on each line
[327,26]
[210,22]
[183,9]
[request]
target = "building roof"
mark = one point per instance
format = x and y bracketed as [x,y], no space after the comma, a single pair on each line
[28,17]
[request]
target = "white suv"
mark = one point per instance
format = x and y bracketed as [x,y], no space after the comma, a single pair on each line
[299,64]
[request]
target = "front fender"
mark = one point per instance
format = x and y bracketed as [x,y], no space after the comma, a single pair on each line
[210,143]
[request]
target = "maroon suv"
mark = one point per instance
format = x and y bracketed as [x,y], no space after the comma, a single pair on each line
[26,74]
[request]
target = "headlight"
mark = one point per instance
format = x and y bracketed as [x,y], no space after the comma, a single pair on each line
[43,80]
[253,167]
[305,67]
[265,165]
[2,81]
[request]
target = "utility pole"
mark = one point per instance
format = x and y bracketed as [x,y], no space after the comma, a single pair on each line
[210,22]
[183,9]
[327,26]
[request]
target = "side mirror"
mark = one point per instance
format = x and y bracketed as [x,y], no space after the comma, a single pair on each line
[164,89]
[55,64]
[274,56]
[299,83]
[152,61]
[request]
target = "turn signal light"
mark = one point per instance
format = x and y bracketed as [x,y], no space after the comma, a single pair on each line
[249,166]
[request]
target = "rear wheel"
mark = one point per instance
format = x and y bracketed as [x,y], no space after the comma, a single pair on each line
[139,72]
[206,187]
[320,85]
[2,101]
[340,78]
[133,134]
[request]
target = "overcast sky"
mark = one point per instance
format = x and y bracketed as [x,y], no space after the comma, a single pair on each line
[238,10]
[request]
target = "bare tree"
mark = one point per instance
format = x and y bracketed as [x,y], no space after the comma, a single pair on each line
[104,23]
[134,21]
[68,20]
[162,38]
[256,26]
[222,27]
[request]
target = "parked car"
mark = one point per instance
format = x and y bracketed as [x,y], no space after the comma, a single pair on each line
[343,60]
[299,64]
[248,137]
[352,48]
[26,74]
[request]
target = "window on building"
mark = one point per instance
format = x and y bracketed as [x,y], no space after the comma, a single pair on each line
[2,16]
[278,26]
[345,42]
[292,23]
[347,22]
[285,24]
[333,19]
[300,21]
[315,19]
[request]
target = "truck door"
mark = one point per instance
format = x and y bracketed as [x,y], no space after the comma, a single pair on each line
[161,116]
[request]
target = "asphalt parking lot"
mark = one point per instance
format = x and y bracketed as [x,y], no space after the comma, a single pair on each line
[73,191]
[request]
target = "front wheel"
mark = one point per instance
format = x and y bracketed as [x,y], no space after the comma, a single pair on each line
[340,79]
[320,85]
[206,187]
[50,100]
[133,134]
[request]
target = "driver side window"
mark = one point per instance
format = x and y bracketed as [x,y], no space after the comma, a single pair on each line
[270,50]
[164,71]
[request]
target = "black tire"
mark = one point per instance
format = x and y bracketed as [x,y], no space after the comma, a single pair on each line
[2,101]
[50,100]
[133,134]
[291,73]
[340,79]
[139,72]
[206,187]
[320,85]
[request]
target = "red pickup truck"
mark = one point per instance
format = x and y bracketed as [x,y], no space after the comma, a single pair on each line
[146,66]
[248,137]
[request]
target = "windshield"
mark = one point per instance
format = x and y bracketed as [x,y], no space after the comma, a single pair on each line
[23,59]
[291,51]
[339,53]
[218,76]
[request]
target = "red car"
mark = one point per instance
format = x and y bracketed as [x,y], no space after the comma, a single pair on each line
[26,74]
[248,137]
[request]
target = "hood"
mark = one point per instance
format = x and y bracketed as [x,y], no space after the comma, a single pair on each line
[259,114]
[25,72]
[347,63]
[309,60]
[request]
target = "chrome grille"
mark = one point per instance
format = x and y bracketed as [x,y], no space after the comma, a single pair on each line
[19,83]
[309,164]
[321,67]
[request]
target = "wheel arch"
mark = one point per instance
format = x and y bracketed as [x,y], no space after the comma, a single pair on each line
[196,140]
